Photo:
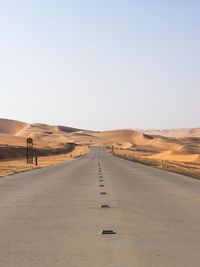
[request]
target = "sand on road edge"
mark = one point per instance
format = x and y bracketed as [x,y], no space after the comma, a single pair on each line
[19,165]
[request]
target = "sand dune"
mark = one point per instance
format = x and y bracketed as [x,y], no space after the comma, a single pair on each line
[129,138]
[177,133]
[123,137]
[11,127]
[47,136]
[67,129]
[174,156]
[180,150]
[115,138]
[15,133]
[7,139]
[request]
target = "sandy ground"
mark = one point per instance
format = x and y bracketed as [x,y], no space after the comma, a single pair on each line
[184,164]
[191,132]
[20,165]
[182,149]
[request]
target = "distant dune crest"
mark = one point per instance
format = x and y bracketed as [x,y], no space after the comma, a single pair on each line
[177,133]
[14,132]
[12,127]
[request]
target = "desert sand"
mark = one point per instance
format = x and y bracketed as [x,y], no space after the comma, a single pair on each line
[19,165]
[185,132]
[14,133]
[183,147]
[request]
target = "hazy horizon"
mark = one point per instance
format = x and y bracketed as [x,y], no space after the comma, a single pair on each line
[101,65]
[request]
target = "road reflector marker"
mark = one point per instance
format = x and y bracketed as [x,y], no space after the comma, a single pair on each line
[105,206]
[108,232]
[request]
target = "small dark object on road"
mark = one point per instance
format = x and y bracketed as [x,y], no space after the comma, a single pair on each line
[108,232]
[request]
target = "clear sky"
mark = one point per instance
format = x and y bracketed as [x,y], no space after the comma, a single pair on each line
[101,64]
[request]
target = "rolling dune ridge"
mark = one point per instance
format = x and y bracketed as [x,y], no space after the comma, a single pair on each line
[181,149]
[177,133]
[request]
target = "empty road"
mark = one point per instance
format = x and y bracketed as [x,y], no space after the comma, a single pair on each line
[53,216]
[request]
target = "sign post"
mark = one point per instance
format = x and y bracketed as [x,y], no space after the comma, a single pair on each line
[29,150]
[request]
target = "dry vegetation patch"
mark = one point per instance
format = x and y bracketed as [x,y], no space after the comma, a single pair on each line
[187,168]
[20,165]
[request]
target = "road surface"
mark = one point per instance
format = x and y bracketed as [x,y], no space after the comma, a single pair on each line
[53,216]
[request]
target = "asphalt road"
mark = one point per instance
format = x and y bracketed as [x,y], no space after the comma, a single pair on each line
[53,216]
